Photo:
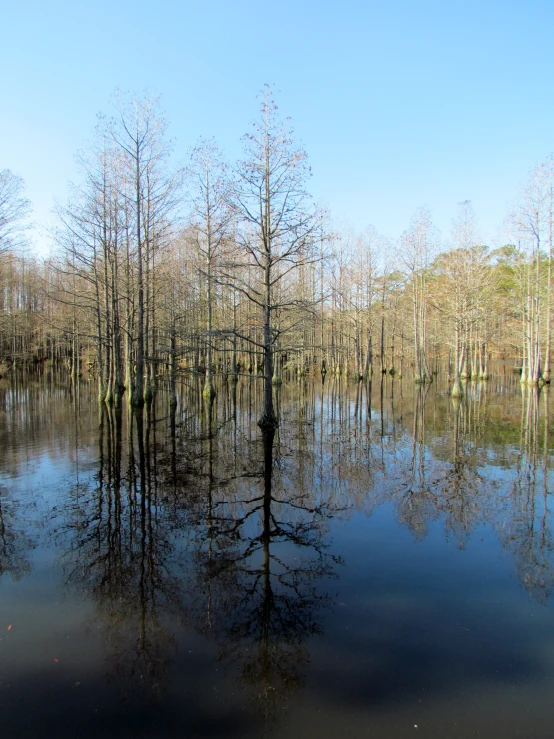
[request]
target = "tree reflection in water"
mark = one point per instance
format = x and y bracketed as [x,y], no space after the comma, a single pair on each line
[15,541]
[260,555]
[123,552]
[448,476]
[526,525]
[193,520]
[257,540]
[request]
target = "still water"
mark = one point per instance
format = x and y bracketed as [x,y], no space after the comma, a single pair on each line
[382,567]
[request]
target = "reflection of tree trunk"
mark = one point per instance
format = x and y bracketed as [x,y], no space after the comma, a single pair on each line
[457,440]
[139,420]
[268,437]
[118,434]
[392,413]
[173,435]
[529,535]
[210,509]
[101,425]
[419,436]
[143,583]
[381,409]
[357,406]
[267,608]
[544,526]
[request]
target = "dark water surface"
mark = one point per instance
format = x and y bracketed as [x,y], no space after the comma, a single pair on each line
[383,567]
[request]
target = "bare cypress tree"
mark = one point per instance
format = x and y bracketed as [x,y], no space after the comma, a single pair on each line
[83,237]
[14,210]
[531,226]
[139,132]
[461,282]
[418,245]
[211,216]
[277,225]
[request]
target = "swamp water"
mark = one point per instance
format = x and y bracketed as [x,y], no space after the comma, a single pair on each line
[382,567]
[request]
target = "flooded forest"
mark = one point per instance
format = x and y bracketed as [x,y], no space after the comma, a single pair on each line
[262,475]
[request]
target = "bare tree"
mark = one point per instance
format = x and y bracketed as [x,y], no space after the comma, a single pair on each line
[139,132]
[14,209]
[211,216]
[419,242]
[461,281]
[532,229]
[277,225]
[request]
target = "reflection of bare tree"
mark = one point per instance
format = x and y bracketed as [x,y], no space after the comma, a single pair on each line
[250,572]
[347,459]
[416,500]
[121,552]
[15,541]
[527,530]
[451,488]
[462,485]
[447,476]
[260,560]
[35,420]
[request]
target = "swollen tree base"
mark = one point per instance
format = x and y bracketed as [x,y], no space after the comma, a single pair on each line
[457,389]
[423,379]
[268,421]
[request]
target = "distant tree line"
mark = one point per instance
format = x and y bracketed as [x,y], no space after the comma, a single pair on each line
[220,269]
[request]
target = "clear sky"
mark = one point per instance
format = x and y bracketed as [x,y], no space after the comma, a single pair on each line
[398,104]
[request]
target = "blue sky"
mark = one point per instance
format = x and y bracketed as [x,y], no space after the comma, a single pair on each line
[397,104]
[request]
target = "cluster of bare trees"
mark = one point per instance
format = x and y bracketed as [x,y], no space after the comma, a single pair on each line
[228,269]
[152,284]
[112,233]
[532,231]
